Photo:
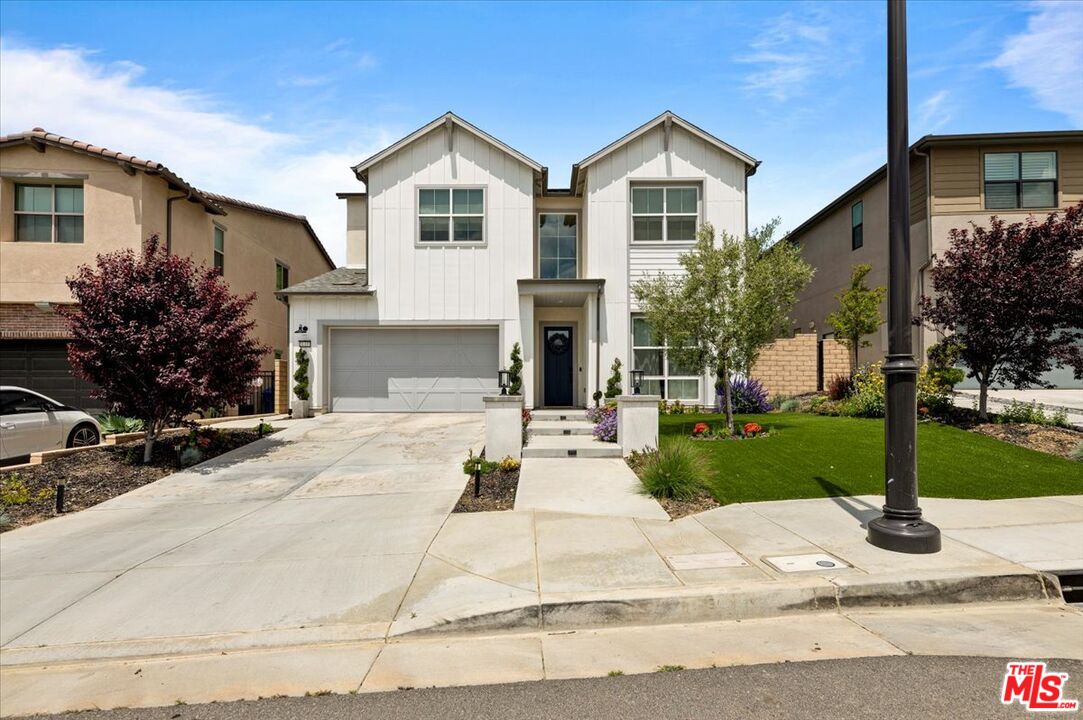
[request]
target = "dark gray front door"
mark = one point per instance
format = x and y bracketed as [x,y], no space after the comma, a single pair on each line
[559,366]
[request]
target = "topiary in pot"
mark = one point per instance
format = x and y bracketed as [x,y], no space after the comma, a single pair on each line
[515,379]
[612,385]
[300,385]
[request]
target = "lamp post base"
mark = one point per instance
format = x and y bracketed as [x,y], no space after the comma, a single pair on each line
[904,534]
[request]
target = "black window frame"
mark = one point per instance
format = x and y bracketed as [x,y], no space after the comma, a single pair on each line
[1020,181]
[218,256]
[857,232]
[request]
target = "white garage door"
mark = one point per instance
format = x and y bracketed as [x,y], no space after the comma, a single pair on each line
[407,370]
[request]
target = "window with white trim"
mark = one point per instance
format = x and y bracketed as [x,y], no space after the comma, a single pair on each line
[49,213]
[220,249]
[665,214]
[662,375]
[451,215]
[1020,180]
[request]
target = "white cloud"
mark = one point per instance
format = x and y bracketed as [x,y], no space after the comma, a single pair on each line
[1047,58]
[792,51]
[934,112]
[108,104]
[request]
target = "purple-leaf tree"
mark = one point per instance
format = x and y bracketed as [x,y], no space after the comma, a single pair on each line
[1012,295]
[161,336]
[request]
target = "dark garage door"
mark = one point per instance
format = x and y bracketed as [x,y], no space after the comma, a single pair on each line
[42,366]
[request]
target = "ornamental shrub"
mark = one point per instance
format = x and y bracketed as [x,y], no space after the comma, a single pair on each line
[748,396]
[1032,413]
[612,385]
[300,375]
[675,471]
[113,423]
[943,357]
[840,387]
[867,399]
[515,371]
[790,405]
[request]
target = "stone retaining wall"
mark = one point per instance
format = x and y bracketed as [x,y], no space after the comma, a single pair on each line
[789,366]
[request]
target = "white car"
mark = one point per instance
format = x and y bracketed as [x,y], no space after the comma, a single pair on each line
[30,423]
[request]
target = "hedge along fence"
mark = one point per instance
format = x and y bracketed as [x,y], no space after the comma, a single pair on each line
[791,366]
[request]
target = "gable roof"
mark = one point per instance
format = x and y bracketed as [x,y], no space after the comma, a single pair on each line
[39,139]
[667,119]
[928,141]
[446,120]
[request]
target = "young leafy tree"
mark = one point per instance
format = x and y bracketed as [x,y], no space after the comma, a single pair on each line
[858,314]
[733,299]
[516,371]
[160,336]
[1011,295]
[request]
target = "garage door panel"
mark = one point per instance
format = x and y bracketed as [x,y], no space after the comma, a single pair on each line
[403,370]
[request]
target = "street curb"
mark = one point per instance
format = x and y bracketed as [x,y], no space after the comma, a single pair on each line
[573,611]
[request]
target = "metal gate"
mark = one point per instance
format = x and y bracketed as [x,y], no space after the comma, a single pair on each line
[261,396]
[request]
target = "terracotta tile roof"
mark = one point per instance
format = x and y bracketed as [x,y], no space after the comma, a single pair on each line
[213,202]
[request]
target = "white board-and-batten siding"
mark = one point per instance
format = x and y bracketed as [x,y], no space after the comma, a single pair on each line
[449,282]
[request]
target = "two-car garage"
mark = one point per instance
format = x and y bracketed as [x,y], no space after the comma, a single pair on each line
[411,369]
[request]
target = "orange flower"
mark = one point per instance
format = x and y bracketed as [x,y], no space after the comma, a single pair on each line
[700,428]
[752,429]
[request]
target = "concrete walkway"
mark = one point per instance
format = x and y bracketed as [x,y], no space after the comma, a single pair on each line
[1019,631]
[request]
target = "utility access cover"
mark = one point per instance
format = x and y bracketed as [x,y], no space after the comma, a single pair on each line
[806,563]
[705,561]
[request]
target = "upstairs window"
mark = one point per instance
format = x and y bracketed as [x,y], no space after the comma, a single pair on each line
[665,214]
[557,246]
[1020,180]
[282,276]
[49,213]
[857,226]
[219,249]
[451,215]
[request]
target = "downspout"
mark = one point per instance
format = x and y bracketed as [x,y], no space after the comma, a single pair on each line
[928,232]
[169,220]
[597,343]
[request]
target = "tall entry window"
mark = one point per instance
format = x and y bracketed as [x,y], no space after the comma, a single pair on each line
[662,375]
[558,249]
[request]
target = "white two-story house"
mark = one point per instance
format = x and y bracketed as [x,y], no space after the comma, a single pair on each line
[459,249]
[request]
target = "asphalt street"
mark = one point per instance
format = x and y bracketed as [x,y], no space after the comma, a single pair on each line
[886,688]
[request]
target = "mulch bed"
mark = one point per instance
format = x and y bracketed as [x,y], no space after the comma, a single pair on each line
[497,493]
[1043,438]
[680,508]
[94,476]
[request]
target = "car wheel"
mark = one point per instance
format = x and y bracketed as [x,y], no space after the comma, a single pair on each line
[82,436]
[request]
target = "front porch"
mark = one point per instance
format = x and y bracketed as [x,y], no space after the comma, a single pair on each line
[563,328]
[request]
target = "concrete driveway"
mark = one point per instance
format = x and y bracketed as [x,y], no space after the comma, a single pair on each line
[310,535]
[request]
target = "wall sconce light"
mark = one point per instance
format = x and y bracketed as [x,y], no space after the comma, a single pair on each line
[504,378]
[637,381]
[301,330]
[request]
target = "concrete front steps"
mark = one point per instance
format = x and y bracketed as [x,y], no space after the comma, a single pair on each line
[564,434]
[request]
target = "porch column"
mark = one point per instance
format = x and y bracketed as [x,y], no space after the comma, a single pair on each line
[526,330]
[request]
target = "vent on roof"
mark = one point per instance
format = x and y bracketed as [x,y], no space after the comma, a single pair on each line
[344,282]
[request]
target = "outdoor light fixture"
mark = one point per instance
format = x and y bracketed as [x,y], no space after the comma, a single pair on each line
[477,477]
[901,528]
[637,381]
[302,341]
[504,378]
[301,329]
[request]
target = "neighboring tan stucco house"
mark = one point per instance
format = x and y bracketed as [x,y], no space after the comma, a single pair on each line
[459,249]
[955,180]
[62,202]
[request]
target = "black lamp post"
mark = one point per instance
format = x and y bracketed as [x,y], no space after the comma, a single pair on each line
[901,528]
[637,381]
[504,378]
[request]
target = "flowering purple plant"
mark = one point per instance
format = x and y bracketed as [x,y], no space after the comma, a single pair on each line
[749,396]
[605,423]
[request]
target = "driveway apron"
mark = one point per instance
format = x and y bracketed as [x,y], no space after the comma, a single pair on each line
[318,529]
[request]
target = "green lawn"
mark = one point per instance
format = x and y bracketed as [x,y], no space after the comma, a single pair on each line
[810,456]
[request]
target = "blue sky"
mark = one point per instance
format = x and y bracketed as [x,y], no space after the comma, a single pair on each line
[272,102]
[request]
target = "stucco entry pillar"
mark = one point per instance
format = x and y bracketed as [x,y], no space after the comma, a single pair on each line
[503,426]
[637,423]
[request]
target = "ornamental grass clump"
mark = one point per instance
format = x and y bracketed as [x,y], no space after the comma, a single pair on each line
[675,472]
